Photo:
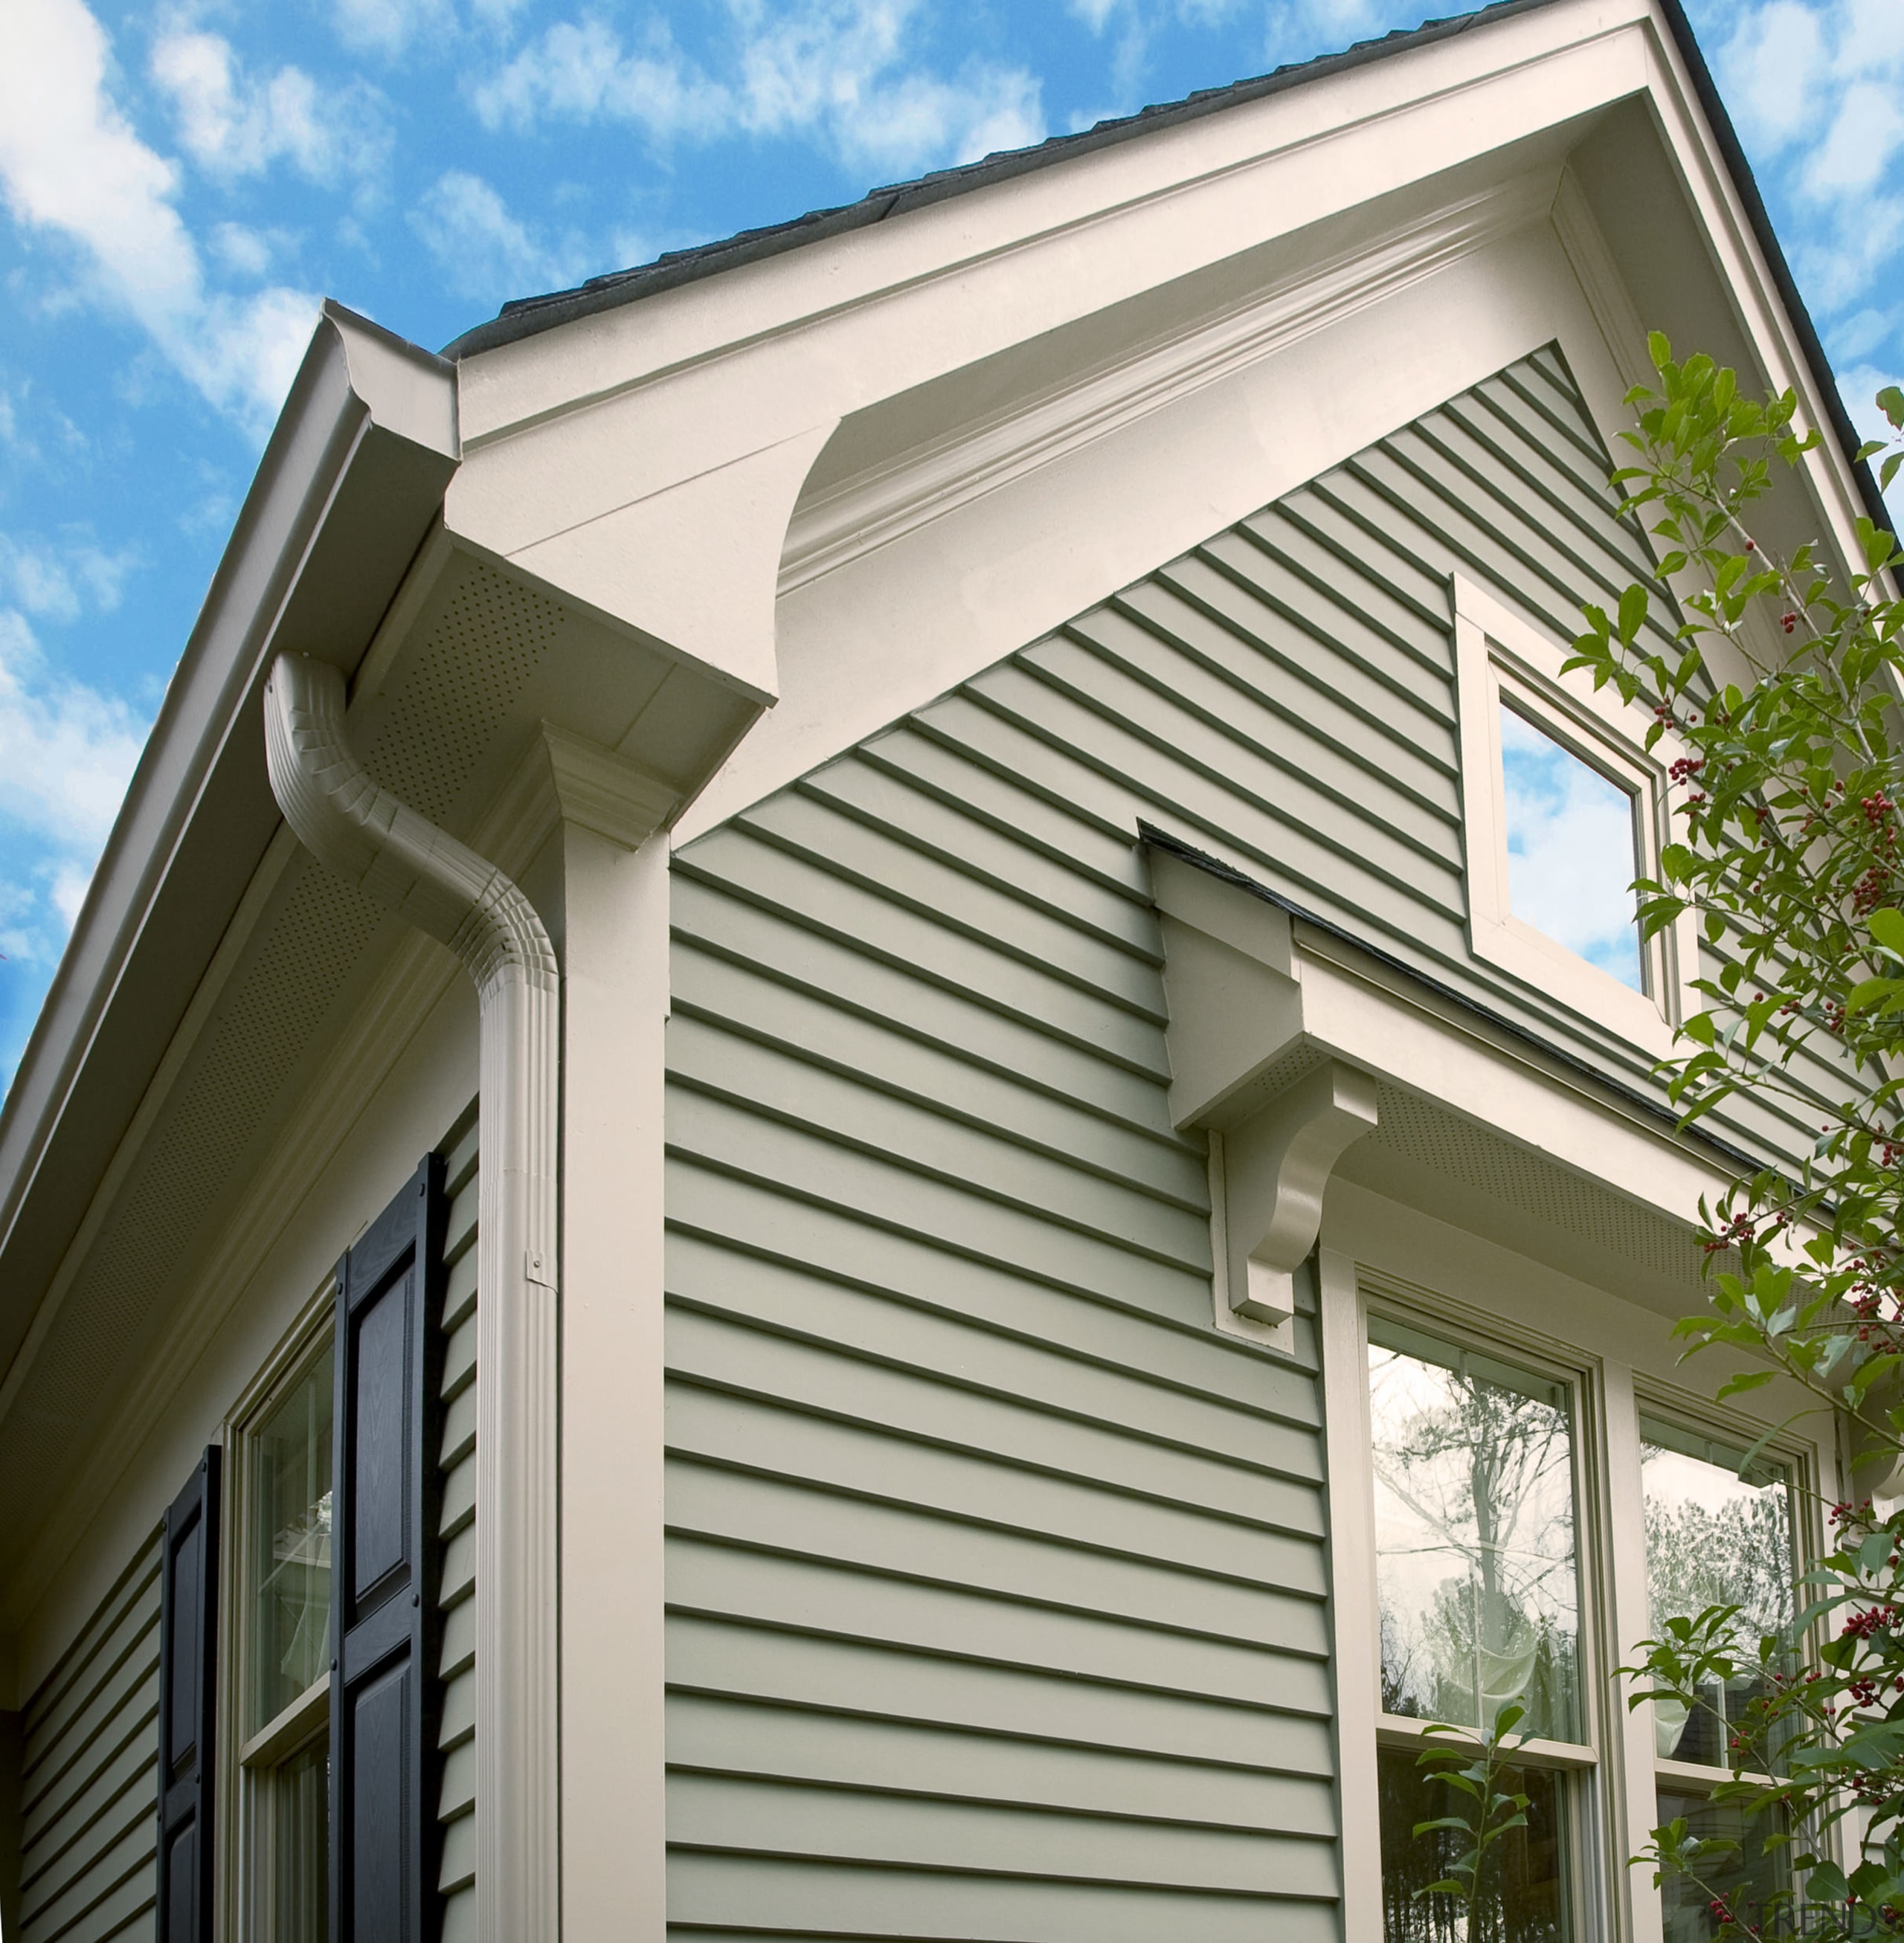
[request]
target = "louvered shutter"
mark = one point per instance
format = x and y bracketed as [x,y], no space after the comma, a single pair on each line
[384,1635]
[188,1689]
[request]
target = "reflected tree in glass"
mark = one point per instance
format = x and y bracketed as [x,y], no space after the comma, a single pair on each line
[1474,1545]
[1713,1538]
[1525,1900]
[289,1520]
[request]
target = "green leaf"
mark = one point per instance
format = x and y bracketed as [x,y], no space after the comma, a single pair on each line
[1632,612]
[1747,1379]
[1886,926]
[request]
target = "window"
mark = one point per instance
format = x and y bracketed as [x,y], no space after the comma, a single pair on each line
[1478,1585]
[283,1532]
[1564,807]
[1512,1516]
[1713,1538]
[1572,848]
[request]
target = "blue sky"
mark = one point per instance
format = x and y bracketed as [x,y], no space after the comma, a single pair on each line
[180,183]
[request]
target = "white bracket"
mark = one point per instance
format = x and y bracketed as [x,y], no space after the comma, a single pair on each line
[1275,1168]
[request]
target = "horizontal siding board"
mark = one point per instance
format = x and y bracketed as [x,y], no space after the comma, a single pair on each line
[709,1894]
[1297,540]
[717,1132]
[914,1409]
[1102,857]
[804,1032]
[742,1815]
[62,1819]
[830,904]
[711,1736]
[905,877]
[720,1581]
[1364,657]
[1248,774]
[923,821]
[1186,1353]
[91,1683]
[812,1101]
[717,1656]
[90,1761]
[1013,1555]
[114,1887]
[716,927]
[1359,763]
[1090,1470]
[1201,605]
[1194,797]
[1243,1429]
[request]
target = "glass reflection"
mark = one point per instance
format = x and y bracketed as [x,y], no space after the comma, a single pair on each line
[1474,1536]
[1713,1539]
[1748,1880]
[290,1544]
[1572,850]
[1523,1898]
[301,1847]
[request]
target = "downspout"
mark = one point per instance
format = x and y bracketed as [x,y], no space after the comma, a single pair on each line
[370,839]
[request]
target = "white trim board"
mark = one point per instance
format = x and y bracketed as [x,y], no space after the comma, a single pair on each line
[1498,656]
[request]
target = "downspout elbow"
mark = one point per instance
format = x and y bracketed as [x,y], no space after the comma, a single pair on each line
[372,839]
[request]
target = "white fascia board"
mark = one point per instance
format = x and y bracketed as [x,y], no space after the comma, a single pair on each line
[1768,325]
[1005,262]
[558,434]
[351,476]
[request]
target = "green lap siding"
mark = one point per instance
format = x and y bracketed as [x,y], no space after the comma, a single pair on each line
[90,1794]
[997,1577]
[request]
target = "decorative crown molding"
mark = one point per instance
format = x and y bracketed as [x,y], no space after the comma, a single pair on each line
[884,503]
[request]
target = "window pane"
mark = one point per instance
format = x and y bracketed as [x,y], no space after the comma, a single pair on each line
[1572,847]
[1474,1536]
[301,1847]
[1713,1539]
[1746,1880]
[290,1546]
[1523,1898]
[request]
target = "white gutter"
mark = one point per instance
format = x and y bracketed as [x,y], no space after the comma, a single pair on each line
[371,839]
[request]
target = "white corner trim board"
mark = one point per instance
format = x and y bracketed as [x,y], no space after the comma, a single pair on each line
[1497,653]
[373,840]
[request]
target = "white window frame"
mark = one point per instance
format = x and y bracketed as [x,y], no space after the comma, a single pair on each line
[1616,1765]
[250,1761]
[1499,658]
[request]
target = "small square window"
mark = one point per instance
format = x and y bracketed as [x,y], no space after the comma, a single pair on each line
[1564,807]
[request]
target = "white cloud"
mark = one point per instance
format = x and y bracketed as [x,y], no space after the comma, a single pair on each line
[233,124]
[838,70]
[1569,850]
[387,27]
[66,751]
[1772,68]
[71,165]
[1820,86]
[1864,134]
[1859,387]
[60,582]
[483,251]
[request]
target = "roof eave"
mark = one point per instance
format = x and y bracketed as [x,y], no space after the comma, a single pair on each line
[350,481]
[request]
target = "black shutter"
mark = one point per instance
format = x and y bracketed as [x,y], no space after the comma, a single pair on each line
[187,1692]
[385,1636]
